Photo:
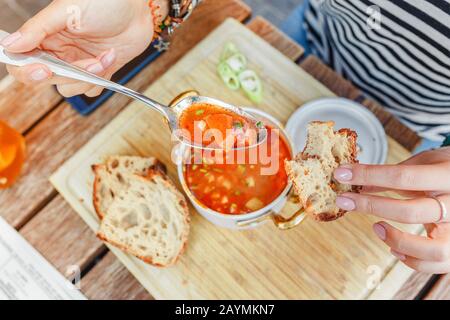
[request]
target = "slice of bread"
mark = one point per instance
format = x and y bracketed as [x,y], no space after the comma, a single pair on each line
[148,219]
[114,176]
[311,171]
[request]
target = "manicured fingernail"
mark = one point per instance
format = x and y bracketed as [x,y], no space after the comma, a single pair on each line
[39,75]
[95,68]
[398,255]
[343,174]
[108,59]
[345,203]
[380,231]
[9,40]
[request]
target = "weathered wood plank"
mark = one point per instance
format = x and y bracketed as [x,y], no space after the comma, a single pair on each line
[276,38]
[344,88]
[23,105]
[340,86]
[110,280]
[63,131]
[62,237]
[9,21]
[31,7]
[441,290]
[411,289]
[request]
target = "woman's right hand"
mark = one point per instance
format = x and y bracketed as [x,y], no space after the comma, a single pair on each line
[99,36]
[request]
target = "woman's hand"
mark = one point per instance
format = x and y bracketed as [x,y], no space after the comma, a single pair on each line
[424,175]
[99,36]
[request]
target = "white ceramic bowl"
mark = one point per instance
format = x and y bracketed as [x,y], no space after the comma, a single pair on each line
[252,219]
[346,114]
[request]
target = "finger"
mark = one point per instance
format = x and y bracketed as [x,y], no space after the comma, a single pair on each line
[413,211]
[41,73]
[400,177]
[102,66]
[30,74]
[431,267]
[403,193]
[36,73]
[96,90]
[413,245]
[49,21]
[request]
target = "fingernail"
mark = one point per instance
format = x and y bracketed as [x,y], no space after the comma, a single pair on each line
[108,59]
[398,255]
[343,174]
[95,68]
[39,75]
[345,203]
[9,40]
[380,231]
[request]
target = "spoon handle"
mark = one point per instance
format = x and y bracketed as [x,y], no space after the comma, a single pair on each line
[64,69]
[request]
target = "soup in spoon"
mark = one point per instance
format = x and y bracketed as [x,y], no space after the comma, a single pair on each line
[219,128]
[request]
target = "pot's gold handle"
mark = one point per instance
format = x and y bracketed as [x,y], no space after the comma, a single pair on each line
[279,221]
[283,223]
[183,95]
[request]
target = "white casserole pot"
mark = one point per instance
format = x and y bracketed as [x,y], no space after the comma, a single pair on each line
[252,219]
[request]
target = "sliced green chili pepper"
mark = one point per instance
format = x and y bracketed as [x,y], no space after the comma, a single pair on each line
[237,63]
[229,50]
[230,79]
[251,84]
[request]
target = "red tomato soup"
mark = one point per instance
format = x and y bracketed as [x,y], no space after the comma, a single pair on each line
[230,128]
[239,188]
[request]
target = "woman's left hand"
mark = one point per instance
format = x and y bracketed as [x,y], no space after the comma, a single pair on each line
[418,179]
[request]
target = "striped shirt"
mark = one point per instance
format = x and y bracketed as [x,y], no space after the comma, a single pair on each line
[397,52]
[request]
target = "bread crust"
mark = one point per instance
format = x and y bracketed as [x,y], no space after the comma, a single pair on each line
[324,216]
[95,198]
[157,165]
[151,173]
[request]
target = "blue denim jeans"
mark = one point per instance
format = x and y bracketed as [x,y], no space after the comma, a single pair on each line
[294,27]
[427,145]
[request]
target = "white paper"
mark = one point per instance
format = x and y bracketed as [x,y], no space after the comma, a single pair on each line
[26,275]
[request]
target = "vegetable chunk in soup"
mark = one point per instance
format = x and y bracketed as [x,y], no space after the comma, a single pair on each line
[240,188]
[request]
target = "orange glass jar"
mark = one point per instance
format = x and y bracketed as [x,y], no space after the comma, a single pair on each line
[12,155]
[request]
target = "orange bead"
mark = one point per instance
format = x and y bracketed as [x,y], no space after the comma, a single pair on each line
[12,155]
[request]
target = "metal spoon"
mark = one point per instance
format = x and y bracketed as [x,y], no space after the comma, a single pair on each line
[172,114]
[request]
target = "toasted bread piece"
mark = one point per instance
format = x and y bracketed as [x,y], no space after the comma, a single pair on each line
[149,219]
[311,171]
[113,176]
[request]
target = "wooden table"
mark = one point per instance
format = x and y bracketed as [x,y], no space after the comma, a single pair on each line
[54,132]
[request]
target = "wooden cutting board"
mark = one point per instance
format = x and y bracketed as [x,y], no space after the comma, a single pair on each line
[337,260]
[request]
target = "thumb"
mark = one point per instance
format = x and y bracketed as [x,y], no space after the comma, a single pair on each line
[49,21]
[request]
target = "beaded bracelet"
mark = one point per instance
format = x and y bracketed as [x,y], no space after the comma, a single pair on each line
[180,10]
[157,17]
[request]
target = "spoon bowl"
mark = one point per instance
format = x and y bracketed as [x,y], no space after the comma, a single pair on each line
[184,104]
